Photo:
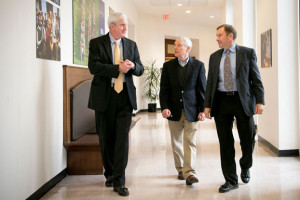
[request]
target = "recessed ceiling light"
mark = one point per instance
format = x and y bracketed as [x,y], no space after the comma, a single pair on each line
[188,11]
[179,4]
[211,17]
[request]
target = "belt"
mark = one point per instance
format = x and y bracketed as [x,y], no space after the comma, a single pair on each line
[229,93]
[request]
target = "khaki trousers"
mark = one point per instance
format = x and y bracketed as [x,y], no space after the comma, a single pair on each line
[183,140]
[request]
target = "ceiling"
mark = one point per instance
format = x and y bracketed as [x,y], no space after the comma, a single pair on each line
[201,10]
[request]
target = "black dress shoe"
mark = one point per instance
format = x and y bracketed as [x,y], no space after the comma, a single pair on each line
[191,179]
[227,187]
[121,190]
[109,181]
[245,175]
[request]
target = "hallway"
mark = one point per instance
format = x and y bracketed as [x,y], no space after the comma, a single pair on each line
[151,174]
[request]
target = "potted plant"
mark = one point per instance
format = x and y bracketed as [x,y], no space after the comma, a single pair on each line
[151,87]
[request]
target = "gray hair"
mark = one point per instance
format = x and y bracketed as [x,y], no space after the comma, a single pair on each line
[115,17]
[187,41]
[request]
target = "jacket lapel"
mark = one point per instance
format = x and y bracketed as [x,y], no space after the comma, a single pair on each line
[107,46]
[190,69]
[239,56]
[175,71]
[124,43]
[217,65]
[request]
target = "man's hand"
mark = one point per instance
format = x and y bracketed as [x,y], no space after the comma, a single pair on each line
[166,113]
[259,109]
[201,116]
[207,113]
[125,66]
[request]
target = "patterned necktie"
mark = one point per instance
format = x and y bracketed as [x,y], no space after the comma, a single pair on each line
[118,81]
[228,83]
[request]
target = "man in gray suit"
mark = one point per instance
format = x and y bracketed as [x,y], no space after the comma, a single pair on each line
[234,90]
[181,97]
[112,59]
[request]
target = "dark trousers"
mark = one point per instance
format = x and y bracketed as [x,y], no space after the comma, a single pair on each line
[113,128]
[228,107]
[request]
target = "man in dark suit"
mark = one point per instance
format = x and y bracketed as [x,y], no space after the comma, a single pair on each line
[181,97]
[234,89]
[114,59]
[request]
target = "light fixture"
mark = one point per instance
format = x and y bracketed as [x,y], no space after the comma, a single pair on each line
[179,4]
[211,17]
[188,11]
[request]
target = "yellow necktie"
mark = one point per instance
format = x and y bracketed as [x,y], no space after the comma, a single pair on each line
[118,81]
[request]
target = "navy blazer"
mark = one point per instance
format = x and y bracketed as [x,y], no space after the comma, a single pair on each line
[171,95]
[248,81]
[101,66]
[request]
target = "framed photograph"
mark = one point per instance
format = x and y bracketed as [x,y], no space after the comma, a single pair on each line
[47,30]
[169,49]
[266,49]
[88,23]
[56,2]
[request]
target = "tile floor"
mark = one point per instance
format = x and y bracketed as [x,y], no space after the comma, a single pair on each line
[151,174]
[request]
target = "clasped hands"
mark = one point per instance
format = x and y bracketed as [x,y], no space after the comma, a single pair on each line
[125,66]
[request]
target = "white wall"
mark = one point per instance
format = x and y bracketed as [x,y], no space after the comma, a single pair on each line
[249,23]
[269,121]
[238,16]
[288,74]
[279,123]
[31,106]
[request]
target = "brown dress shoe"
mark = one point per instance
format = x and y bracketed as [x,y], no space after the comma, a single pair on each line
[191,179]
[180,176]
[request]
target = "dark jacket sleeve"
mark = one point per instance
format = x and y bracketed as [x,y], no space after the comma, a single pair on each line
[201,87]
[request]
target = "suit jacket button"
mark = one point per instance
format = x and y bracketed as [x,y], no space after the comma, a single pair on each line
[182,91]
[180,100]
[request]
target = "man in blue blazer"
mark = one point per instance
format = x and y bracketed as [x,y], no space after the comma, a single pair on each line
[113,57]
[182,90]
[239,95]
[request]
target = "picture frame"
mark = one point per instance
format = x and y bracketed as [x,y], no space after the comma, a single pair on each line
[88,23]
[266,49]
[169,49]
[48,30]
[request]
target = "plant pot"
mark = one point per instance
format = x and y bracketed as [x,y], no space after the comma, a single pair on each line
[151,107]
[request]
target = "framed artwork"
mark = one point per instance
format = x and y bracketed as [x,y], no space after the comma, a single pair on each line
[88,23]
[56,2]
[169,49]
[266,49]
[47,30]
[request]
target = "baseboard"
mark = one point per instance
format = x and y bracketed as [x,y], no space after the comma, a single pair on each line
[279,153]
[48,186]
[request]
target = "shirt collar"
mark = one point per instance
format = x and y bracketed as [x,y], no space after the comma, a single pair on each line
[231,49]
[183,63]
[112,39]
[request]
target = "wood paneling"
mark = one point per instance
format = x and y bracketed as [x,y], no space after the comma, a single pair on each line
[83,155]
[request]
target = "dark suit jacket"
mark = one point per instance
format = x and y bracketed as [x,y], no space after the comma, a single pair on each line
[248,81]
[171,95]
[102,67]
